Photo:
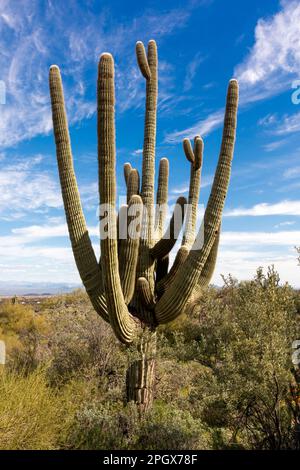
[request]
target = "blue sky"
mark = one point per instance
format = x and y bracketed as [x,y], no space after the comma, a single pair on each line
[202,44]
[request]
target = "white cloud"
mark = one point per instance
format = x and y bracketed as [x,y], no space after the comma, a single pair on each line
[26,188]
[202,127]
[284,224]
[270,68]
[137,152]
[32,38]
[284,238]
[184,187]
[242,264]
[191,71]
[285,207]
[274,60]
[271,146]
[41,253]
[286,124]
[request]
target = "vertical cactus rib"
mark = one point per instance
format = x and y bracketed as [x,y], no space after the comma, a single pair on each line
[195,157]
[133,185]
[173,301]
[167,242]
[208,268]
[188,150]
[84,255]
[162,196]
[145,293]
[166,281]
[127,170]
[119,316]
[162,264]
[150,127]
[142,60]
[128,249]
[146,263]
[210,264]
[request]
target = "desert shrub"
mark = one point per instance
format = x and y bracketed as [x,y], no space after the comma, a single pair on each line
[247,330]
[184,384]
[105,426]
[82,344]
[170,428]
[113,426]
[32,414]
[222,374]
[23,331]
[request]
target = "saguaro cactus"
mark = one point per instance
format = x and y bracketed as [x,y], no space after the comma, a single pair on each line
[141,292]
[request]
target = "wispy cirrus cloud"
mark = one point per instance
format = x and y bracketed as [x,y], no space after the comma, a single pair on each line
[276,144]
[269,69]
[26,187]
[202,127]
[274,60]
[284,125]
[191,71]
[285,207]
[38,35]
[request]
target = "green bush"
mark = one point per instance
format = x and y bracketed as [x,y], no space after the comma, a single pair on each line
[32,414]
[223,374]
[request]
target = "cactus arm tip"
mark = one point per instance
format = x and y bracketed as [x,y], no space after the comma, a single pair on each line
[142,60]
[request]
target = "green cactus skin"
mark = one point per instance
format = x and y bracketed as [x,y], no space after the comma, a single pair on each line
[146,262]
[128,250]
[145,293]
[167,242]
[173,301]
[84,255]
[166,281]
[162,196]
[119,316]
[132,286]
[140,375]
[127,170]
[195,157]
[162,264]
[133,185]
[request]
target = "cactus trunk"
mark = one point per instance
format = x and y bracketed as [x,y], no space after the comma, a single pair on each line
[140,376]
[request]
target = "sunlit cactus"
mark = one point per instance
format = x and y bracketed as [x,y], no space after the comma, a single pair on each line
[132,286]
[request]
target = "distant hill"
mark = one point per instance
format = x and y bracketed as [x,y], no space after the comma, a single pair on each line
[10,288]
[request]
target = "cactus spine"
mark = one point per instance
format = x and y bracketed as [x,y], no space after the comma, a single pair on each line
[132,286]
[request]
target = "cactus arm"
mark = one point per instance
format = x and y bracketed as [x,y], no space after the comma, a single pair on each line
[166,282]
[133,184]
[162,196]
[167,242]
[188,150]
[142,60]
[162,264]
[146,266]
[195,157]
[207,272]
[119,316]
[172,303]
[128,249]
[210,264]
[127,169]
[84,255]
[145,293]
[150,120]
